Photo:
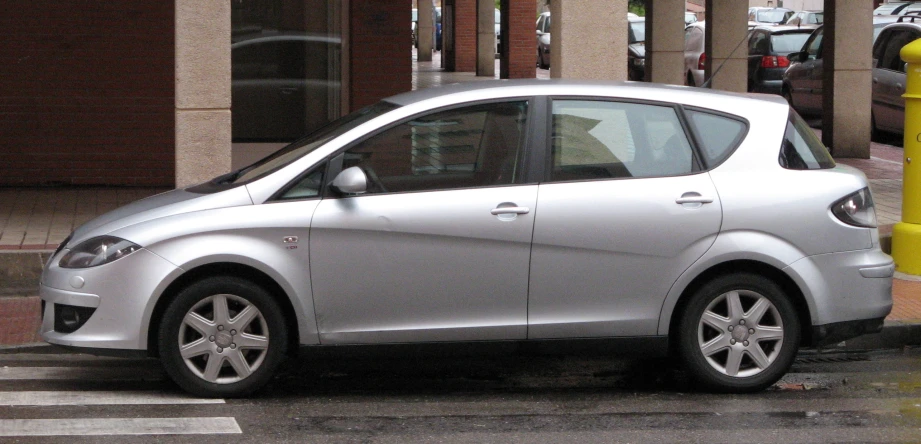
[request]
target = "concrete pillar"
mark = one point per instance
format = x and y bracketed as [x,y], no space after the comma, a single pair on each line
[425,30]
[727,44]
[665,41]
[203,128]
[588,39]
[846,120]
[516,54]
[486,38]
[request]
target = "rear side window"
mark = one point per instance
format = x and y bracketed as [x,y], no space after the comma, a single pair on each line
[802,149]
[718,135]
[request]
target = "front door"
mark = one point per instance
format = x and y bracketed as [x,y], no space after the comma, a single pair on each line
[439,246]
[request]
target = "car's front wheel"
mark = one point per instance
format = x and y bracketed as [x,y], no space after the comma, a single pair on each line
[738,333]
[222,337]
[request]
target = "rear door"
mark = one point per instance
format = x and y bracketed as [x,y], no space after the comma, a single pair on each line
[889,78]
[623,211]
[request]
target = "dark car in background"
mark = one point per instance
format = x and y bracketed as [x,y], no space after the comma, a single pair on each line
[768,47]
[636,48]
[802,81]
[888,110]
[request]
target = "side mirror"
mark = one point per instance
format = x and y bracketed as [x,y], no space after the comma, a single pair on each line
[797,56]
[351,181]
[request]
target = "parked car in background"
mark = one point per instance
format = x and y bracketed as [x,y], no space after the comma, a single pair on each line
[498,31]
[543,40]
[807,19]
[709,227]
[415,27]
[768,48]
[768,16]
[437,28]
[636,48]
[891,8]
[689,17]
[888,109]
[802,81]
[695,55]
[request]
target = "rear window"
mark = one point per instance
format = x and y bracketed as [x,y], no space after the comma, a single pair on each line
[787,43]
[718,135]
[802,149]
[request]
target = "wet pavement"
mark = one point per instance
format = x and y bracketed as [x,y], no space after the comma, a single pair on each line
[414,395]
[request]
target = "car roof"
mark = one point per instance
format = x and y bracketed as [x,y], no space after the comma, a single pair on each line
[784,29]
[563,87]
[904,25]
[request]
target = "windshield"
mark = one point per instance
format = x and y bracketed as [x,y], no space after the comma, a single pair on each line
[772,16]
[787,43]
[305,145]
[637,32]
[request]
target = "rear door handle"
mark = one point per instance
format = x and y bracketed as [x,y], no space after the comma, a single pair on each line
[693,198]
[509,210]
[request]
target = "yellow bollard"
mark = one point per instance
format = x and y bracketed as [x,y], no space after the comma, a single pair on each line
[906,235]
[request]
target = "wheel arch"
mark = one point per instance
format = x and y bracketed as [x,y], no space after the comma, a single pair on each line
[789,286]
[217,269]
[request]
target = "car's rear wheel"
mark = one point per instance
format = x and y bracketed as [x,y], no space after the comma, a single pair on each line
[222,337]
[738,333]
[690,81]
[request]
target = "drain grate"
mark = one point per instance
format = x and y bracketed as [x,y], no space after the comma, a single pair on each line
[830,359]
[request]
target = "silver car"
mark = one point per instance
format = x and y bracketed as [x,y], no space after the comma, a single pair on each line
[712,226]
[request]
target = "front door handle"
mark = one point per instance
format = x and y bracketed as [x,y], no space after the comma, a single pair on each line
[509,210]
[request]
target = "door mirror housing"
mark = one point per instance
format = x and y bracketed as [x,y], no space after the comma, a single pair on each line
[351,181]
[797,56]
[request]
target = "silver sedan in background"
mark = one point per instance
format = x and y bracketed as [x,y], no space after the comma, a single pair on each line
[710,227]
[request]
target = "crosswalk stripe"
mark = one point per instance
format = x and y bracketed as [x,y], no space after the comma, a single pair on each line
[80,373]
[118,426]
[51,398]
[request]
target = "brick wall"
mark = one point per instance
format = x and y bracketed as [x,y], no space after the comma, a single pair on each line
[521,45]
[465,35]
[380,53]
[87,92]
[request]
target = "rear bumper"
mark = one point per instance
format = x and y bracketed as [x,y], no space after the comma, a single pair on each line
[840,331]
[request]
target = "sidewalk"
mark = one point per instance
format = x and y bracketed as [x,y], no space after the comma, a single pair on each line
[34,220]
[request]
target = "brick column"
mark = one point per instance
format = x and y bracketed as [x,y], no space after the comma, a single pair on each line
[465,35]
[380,63]
[518,44]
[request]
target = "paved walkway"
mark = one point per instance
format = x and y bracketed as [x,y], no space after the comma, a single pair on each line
[35,220]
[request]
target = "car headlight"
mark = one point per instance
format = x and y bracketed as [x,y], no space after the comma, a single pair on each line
[97,251]
[639,62]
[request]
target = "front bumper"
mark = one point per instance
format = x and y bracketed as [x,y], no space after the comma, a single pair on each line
[848,293]
[123,294]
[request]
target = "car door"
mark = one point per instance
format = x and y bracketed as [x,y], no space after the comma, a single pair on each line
[889,79]
[624,210]
[805,78]
[438,248]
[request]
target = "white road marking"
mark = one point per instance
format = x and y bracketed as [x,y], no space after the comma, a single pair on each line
[81,373]
[42,398]
[118,426]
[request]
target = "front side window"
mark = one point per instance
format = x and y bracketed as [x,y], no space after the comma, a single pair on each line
[802,149]
[890,57]
[606,140]
[475,146]
[814,46]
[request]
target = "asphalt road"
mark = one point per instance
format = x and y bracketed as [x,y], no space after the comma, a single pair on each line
[504,396]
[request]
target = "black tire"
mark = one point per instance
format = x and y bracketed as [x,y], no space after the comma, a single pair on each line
[733,348]
[263,339]
[690,79]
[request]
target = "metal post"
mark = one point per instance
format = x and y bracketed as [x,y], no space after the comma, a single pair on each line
[906,235]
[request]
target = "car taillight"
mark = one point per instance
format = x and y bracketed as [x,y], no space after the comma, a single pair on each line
[856,209]
[775,62]
[702,61]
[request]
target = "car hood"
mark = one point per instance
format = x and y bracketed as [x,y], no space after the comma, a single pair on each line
[162,205]
[638,49]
